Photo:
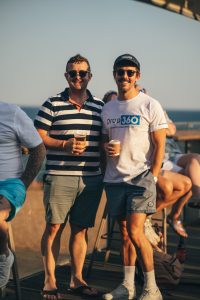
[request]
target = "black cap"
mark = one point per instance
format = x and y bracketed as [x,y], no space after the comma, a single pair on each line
[128,58]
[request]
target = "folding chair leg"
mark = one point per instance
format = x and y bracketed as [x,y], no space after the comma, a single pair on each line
[164,225]
[15,266]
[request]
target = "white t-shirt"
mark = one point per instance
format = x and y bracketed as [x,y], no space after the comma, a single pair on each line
[16,129]
[131,122]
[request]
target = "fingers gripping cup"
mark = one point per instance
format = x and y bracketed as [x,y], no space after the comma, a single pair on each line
[116,146]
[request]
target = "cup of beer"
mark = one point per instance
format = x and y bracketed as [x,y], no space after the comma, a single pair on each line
[116,145]
[80,136]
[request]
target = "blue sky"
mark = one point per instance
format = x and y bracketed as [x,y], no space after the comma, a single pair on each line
[38,37]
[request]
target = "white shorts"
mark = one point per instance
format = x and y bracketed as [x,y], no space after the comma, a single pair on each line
[168,165]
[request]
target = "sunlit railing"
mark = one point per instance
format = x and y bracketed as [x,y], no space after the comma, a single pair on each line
[188,125]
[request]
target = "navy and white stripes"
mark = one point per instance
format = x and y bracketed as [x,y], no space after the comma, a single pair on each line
[61,118]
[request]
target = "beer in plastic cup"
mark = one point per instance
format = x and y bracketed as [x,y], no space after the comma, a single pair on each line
[116,145]
[80,136]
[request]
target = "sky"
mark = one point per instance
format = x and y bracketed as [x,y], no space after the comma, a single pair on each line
[38,37]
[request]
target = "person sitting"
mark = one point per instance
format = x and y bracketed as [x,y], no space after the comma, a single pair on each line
[16,130]
[187,164]
[173,189]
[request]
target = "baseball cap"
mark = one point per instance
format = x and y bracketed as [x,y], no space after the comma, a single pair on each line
[126,57]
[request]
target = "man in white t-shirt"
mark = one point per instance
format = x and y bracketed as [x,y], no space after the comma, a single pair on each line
[138,122]
[16,130]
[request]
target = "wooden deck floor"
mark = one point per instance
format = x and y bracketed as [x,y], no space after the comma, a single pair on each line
[105,278]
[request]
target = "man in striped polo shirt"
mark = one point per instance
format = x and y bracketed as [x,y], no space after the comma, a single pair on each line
[73,180]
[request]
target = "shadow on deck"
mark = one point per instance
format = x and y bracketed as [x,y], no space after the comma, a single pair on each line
[105,278]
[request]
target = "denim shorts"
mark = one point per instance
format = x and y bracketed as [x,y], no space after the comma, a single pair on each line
[138,197]
[73,197]
[14,191]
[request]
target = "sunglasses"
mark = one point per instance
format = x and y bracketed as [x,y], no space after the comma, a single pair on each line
[121,72]
[74,73]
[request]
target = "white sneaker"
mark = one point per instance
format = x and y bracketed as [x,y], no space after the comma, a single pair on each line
[5,267]
[151,295]
[121,292]
[150,234]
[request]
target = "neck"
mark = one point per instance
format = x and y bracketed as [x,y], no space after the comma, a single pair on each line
[78,96]
[127,95]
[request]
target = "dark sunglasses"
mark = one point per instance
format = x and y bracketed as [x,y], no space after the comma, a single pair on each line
[121,72]
[74,73]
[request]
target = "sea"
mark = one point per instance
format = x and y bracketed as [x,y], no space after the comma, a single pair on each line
[183,118]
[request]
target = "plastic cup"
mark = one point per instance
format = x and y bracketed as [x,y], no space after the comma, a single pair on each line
[80,136]
[116,145]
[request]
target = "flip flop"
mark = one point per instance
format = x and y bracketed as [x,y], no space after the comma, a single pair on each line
[84,290]
[177,226]
[45,294]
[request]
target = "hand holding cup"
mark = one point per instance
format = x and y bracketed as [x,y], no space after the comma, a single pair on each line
[113,148]
[79,144]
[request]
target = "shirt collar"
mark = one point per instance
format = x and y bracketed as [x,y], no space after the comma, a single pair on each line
[65,95]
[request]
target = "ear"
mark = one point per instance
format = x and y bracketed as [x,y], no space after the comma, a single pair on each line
[65,74]
[90,76]
[138,76]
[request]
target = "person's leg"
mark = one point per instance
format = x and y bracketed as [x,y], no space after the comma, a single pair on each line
[6,257]
[166,194]
[50,247]
[82,217]
[141,201]
[191,167]
[59,195]
[5,209]
[180,195]
[126,289]
[145,255]
[173,186]
[78,249]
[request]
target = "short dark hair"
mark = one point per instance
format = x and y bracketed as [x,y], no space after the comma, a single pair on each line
[77,59]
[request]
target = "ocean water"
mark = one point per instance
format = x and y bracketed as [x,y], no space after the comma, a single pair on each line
[176,115]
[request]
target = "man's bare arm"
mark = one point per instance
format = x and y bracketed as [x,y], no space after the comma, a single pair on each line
[158,138]
[34,164]
[52,143]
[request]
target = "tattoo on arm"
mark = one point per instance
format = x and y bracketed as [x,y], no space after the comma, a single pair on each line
[34,164]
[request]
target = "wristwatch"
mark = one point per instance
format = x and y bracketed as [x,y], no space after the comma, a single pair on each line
[155,179]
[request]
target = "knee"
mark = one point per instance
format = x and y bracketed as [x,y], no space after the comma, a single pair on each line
[125,237]
[52,229]
[194,160]
[166,190]
[135,235]
[187,184]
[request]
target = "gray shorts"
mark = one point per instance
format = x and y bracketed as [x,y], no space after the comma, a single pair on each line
[138,197]
[75,197]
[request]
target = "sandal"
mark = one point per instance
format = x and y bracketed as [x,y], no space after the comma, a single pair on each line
[84,290]
[45,294]
[177,226]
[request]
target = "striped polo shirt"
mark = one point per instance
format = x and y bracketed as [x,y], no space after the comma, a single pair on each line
[61,119]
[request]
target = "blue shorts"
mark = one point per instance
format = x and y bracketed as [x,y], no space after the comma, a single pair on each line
[14,191]
[138,197]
